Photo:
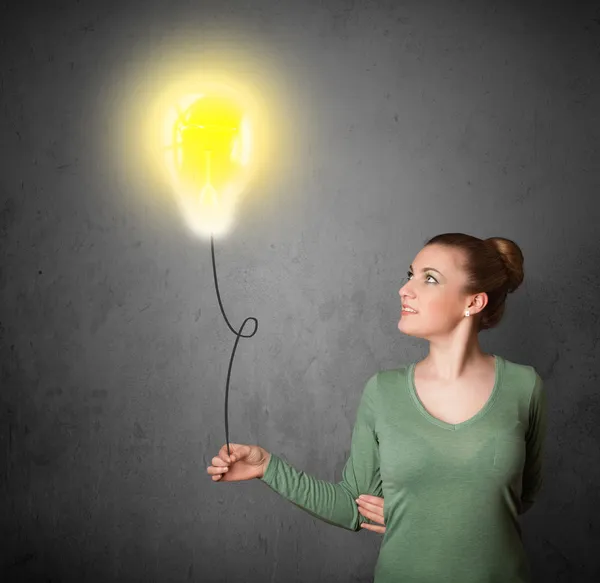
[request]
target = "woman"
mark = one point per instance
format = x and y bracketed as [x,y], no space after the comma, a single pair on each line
[453,443]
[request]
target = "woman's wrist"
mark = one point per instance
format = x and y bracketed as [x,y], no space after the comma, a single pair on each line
[266,459]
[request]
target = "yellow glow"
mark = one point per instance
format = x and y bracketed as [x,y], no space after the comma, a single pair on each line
[208,143]
[140,101]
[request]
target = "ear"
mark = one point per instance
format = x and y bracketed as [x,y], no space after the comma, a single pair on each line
[478,302]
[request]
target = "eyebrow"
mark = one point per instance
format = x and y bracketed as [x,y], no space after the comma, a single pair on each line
[427,269]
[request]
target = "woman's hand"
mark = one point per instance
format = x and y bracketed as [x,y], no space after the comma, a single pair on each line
[247,462]
[371,507]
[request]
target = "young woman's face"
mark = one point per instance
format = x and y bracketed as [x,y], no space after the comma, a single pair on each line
[433,289]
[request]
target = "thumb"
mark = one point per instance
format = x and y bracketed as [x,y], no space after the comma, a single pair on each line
[238,451]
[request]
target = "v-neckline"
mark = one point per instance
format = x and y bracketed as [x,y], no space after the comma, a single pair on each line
[498,368]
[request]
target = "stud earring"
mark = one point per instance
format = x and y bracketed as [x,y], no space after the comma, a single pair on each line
[467,313]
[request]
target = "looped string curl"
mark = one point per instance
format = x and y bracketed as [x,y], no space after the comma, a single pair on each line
[238,336]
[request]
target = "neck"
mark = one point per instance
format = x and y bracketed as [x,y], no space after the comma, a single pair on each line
[456,355]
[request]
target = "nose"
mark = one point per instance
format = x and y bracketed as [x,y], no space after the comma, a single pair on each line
[405,295]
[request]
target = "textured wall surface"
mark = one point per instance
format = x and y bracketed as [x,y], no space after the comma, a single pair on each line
[402,120]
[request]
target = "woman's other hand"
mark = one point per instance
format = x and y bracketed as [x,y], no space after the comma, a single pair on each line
[247,462]
[371,507]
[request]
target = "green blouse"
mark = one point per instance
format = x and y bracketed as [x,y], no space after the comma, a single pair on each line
[452,492]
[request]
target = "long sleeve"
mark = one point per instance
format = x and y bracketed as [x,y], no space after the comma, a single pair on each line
[533,477]
[335,503]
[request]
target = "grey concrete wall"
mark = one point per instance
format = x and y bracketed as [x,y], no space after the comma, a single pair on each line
[396,121]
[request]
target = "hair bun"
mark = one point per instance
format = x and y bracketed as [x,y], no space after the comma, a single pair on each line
[512,257]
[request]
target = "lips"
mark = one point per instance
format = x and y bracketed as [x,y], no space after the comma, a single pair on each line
[409,307]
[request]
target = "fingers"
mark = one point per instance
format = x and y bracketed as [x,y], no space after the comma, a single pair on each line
[376,517]
[375,500]
[234,448]
[376,508]
[217,471]
[217,461]
[373,527]
[221,463]
[371,511]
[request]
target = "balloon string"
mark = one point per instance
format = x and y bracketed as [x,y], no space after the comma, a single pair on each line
[238,336]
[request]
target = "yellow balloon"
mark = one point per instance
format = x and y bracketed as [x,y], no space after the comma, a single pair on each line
[209,154]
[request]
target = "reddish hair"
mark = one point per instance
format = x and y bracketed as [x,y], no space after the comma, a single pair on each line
[493,266]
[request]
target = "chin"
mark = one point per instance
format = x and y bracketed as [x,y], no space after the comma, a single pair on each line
[408,333]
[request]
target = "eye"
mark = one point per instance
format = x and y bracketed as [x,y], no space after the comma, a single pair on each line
[410,274]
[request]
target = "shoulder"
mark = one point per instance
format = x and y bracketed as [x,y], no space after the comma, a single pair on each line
[524,378]
[383,381]
[389,375]
[520,369]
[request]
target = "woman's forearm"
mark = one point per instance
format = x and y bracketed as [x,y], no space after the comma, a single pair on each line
[335,503]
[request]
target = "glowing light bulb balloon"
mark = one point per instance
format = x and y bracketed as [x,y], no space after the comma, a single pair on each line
[208,143]
[208,153]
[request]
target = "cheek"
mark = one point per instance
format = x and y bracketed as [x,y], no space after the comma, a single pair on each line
[438,307]
[439,312]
